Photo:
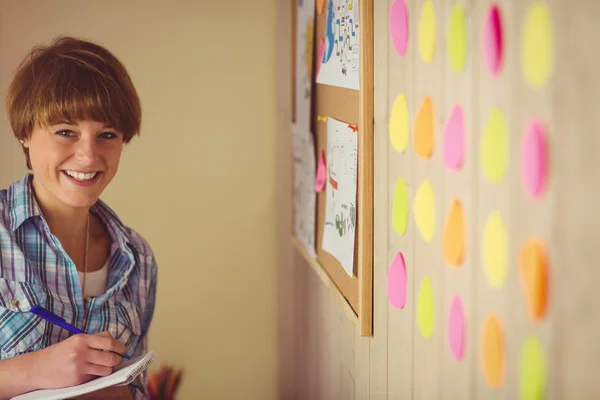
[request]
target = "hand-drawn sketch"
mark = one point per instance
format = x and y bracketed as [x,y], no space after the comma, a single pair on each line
[341,54]
[340,213]
[304,194]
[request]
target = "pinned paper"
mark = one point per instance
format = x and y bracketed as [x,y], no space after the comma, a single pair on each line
[457,38]
[493,41]
[321,173]
[424,210]
[321,47]
[532,370]
[427,32]
[494,147]
[495,250]
[396,283]
[534,159]
[400,208]
[454,139]
[426,309]
[493,356]
[399,26]
[320,7]
[399,124]
[454,236]
[534,277]
[424,129]
[456,328]
[537,44]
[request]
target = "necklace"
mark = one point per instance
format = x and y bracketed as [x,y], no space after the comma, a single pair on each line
[87,240]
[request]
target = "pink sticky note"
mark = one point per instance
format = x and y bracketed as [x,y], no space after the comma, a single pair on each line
[396,282]
[321,173]
[456,329]
[320,59]
[534,159]
[493,40]
[454,139]
[399,26]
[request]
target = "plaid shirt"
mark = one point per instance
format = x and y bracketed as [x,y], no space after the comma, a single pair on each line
[35,269]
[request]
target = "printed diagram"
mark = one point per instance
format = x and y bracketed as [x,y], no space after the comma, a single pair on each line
[340,173]
[342,34]
[303,190]
[308,58]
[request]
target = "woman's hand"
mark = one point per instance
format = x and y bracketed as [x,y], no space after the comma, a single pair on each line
[77,360]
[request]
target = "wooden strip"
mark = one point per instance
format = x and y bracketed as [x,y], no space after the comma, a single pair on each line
[365,175]
[314,264]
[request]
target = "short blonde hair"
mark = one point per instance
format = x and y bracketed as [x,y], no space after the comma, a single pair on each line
[72,80]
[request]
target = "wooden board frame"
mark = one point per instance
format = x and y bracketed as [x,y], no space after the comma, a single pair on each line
[356,293]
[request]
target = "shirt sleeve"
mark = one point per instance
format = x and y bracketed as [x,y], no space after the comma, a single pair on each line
[149,283]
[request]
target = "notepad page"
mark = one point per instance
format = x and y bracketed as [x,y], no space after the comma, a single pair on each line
[124,374]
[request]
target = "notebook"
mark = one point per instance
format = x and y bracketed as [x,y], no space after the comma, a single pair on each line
[124,374]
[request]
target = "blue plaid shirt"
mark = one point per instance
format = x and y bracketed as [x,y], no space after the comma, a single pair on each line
[35,269]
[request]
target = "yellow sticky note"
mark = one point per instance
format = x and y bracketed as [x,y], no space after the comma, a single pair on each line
[537,44]
[400,208]
[495,250]
[532,370]
[426,308]
[424,210]
[494,147]
[457,38]
[427,32]
[399,124]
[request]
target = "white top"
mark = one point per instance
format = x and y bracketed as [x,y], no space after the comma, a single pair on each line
[95,282]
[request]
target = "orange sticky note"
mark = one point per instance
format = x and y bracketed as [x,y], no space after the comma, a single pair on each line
[320,6]
[453,244]
[534,277]
[493,356]
[424,129]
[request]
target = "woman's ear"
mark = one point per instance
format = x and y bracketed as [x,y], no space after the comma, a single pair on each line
[24,143]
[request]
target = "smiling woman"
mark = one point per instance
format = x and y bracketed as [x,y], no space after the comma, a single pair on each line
[72,106]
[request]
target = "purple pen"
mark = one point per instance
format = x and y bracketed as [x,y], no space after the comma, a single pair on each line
[56,320]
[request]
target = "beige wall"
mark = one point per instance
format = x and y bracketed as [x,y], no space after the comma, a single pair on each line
[330,360]
[199,182]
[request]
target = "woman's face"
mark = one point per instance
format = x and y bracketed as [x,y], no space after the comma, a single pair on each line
[73,162]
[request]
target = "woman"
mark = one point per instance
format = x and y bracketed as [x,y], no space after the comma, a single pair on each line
[72,106]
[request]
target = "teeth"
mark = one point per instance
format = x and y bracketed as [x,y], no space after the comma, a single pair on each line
[80,176]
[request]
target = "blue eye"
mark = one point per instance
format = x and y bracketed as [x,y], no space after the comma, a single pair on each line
[65,133]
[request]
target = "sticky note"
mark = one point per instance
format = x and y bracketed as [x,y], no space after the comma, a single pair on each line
[400,208]
[493,41]
[424,210]
[532,370]
[426,308]
[424,129]
[399,127]
[495,250]
[457,38]
[321,47]
[454,235]
[321,177]
[494,147]
[320,6]
[396,282]
[454,139]
[492,351]
[427,32]
[533,272]
[537,44]
[398,22]
[534,159]
[456,328]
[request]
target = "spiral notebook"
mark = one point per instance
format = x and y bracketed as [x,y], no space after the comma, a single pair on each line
[124,374]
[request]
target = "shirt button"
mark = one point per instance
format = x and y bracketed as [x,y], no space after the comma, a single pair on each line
[15,303]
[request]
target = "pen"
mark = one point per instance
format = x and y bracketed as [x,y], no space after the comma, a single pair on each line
[56,320]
